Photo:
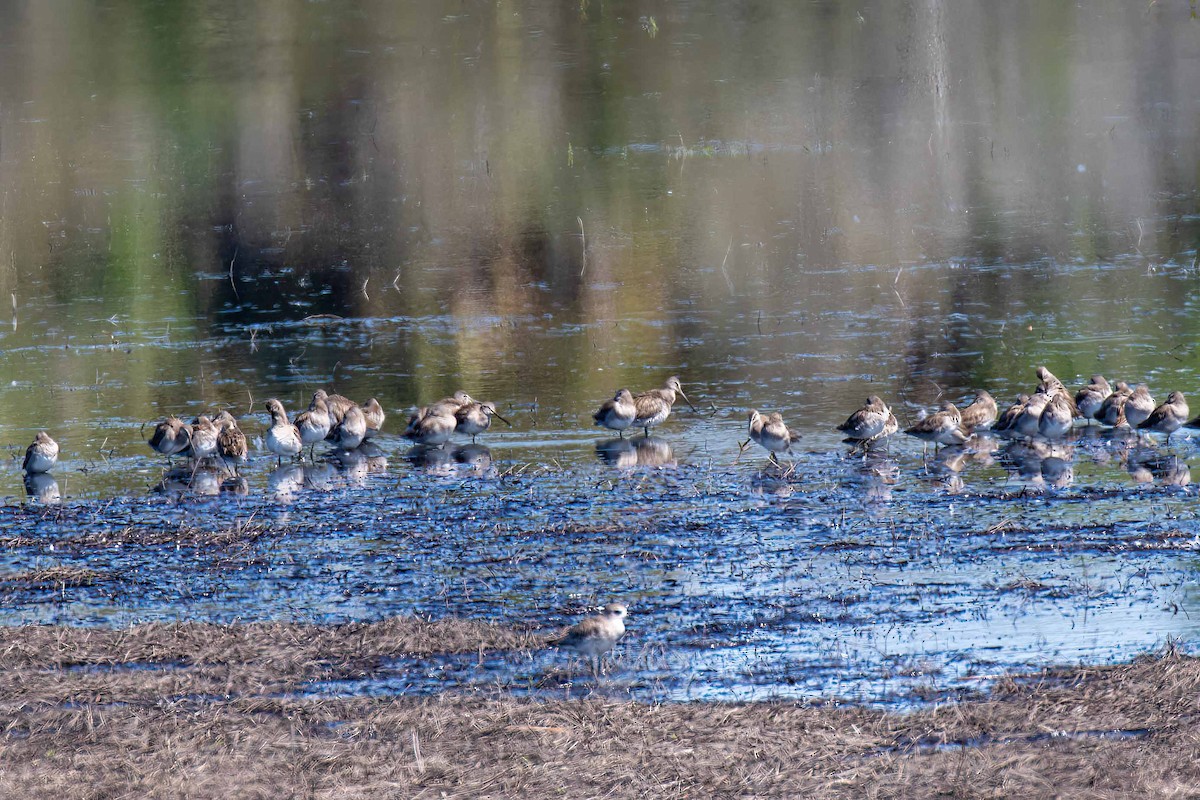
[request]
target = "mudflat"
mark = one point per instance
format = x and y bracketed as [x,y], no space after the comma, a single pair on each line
[203,710]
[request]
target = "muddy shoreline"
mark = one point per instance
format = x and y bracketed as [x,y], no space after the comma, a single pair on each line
[196,710]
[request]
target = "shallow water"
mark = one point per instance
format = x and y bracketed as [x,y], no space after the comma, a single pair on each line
[790,208]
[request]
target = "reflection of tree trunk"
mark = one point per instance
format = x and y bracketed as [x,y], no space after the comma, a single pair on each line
[938,59]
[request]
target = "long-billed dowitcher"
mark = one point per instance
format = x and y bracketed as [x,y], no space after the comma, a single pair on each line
[869,422]
[231,442]
[595,636]
[171,436]
[314,423]
[1028,422]
[1057,417]
[1112,410]
[1139,406]
[375,417]
[351,431]
[1052,386]
[1048,380]
[653,407]
[980,414]
[338,405]
[445,406]
[771,432]
[617,414]
[1168,417]
[1009,417]
[1090,398]
[283,438]
[940,427]
[433,429]
[204,438]
[476,417]
[40,456]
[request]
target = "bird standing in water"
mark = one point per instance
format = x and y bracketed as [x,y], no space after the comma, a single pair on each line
[617,414]
[653,407]
[595,636]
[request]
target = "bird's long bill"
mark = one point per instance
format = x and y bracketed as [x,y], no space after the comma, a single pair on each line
[496,414]
[689,402]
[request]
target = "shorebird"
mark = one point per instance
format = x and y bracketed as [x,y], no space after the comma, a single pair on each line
[231,442]
[653,407]
[980,414]
[1056,418]
[171,436]
[1112,410]
[870,422]
[314,424]
[375,417]
[283,438]
[447,405]
[476,417]
[1009,417]
[338,406]
[1090,398]
[41,455]
[940,427]
[1168,417]
[595,636]
[1028,422]
[204,438]
[432,429]
[617,414]
[771,432]
[351,431]
[1048,380]
[1052,386]
[1139,406]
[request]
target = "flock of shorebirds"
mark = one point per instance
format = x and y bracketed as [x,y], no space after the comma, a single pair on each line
[1049,412]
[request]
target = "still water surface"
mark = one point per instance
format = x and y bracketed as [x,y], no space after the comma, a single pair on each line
[788,206]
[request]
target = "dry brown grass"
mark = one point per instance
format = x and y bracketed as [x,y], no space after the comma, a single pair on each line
[123,733]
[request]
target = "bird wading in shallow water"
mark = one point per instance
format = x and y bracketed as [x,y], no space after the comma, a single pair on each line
[475,417]
[231,442]
[171,436]
[283,438]
[41,455]
[618,413]
[351,431]
[1139,406]
[314,424]
[871,422]
[595,636]
[1090,398]
[980,414]
[375,416]
[940,427]
[653,407]
[1168,417]
[770,432]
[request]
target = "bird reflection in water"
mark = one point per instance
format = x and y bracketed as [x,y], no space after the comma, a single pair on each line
[285,481]
[449,460]
[944,469]
[196,480]
[1040,464]
[644,451]
[1148,466]
[42,487]
[475,457]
